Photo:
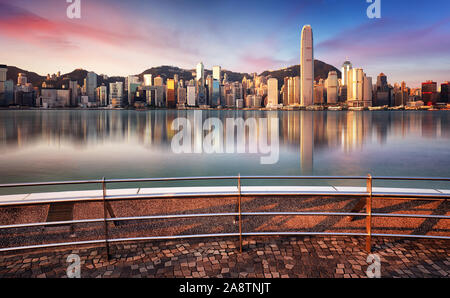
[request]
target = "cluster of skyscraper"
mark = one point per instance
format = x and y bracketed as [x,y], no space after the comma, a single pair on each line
[353,89]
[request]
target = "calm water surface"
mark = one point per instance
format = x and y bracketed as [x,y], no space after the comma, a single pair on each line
[82,144]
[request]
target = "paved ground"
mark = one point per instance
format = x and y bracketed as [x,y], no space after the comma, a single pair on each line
[342,257]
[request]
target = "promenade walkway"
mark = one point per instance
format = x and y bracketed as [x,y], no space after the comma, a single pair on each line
[283,257]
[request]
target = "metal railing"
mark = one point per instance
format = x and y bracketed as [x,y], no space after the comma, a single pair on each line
[366,199]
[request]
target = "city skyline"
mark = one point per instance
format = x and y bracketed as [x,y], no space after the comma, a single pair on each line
[400,49]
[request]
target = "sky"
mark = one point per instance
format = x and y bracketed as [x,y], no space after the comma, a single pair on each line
[409,42]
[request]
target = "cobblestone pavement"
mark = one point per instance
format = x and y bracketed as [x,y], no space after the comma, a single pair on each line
[288,257]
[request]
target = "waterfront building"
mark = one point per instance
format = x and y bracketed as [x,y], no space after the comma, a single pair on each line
[116,94]
[55,98]
[170,93]
[74,93]
[285,91]
[191,96]
[102,96]
[359,88]
[445,92]
[215,99]
[272,92]
[307,67]
[202,96]
[332,87]
[132,85]
[429,93]
[319,93]
[155,95]
[3,72]
[90,85]
[209,86]
[181,96]
[382,94]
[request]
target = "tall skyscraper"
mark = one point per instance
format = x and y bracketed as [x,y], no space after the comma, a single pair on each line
[170,95]
[359,88]
[445,92]
[90,83]
[307,67]
[73,86]
[272,92]
[191,96]
[132,83]
[217,72]
[215,100]
[200,75]
[345,69]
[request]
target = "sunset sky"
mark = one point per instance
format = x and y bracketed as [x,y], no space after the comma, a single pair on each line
[410,42]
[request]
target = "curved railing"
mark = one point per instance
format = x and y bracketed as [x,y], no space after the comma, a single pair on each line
[366,197]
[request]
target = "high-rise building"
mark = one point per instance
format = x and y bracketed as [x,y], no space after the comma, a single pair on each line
[215,100]
[191,96]
[307,67]
[272,92]
[170,93]
[429,93]
[209,83]
[345,69]
[181,96]
[90,84]
[319,93]
[102,95]
[132,85]
[147,80]
[332,87]
[382,94]
[359,88]
[285,91]
[200,74]
[217,73]
[3,72]
[116,94]
[74,93]
[367,91]
[297,87]
[445,92]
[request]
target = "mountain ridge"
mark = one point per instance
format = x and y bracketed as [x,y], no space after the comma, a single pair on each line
[321,70]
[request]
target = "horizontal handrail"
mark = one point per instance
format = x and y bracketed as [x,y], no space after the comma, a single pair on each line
[163,179]
[368,193]
[171,216]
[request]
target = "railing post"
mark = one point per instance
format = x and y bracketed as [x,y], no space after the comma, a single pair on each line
[369,214]
[104,219]
[239,208]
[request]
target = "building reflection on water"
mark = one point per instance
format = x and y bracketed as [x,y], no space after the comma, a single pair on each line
[305,132]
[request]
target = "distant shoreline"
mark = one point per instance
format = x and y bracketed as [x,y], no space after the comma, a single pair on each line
[224,109]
